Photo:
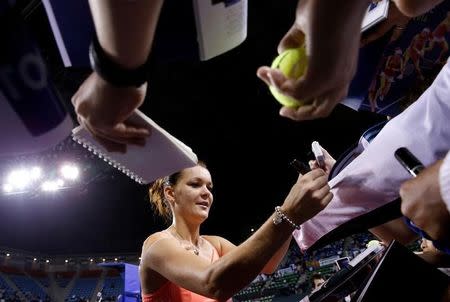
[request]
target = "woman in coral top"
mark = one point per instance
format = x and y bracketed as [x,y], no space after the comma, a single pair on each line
[178,264]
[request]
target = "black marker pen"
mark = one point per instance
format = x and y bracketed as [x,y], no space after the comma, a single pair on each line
[299,166]
[408,161]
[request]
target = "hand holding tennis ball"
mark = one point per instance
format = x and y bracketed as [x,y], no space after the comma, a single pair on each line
[292,63]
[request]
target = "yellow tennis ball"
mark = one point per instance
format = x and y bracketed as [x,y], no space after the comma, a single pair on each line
[292,63]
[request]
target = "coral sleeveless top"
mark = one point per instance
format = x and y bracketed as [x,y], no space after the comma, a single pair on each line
[170,292]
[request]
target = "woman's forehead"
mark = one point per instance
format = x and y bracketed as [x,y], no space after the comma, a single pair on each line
[197,172]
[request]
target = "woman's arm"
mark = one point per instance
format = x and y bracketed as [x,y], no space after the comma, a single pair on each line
[223,278]
[224,247]
[125,29]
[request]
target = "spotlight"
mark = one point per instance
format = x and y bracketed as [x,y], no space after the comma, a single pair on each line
[34,259]
[8,254]
[19,179]
[52,185]
[8,188]
[47,261]
[36,173]
[70,171]
[66,261]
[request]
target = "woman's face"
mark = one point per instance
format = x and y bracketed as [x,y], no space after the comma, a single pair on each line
[192,194]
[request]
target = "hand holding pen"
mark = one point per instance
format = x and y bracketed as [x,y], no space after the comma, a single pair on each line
[421,198]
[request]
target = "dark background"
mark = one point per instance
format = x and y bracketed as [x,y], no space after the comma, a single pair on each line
[219,108]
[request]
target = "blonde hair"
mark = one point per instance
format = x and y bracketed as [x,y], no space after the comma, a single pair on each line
[157,197]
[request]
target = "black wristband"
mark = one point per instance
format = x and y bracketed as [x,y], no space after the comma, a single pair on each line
[113,73]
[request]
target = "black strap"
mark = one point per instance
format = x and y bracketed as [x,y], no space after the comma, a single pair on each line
[112,72]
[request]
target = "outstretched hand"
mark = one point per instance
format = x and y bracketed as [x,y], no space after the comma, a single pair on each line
[103,110]
[331,33]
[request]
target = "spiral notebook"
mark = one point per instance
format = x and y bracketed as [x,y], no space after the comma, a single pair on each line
[162,155]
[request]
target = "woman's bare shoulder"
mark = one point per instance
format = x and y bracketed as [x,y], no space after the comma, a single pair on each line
[154,238]
[216,241]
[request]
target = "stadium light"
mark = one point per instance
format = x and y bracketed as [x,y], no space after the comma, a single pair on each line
[36,173]
[8,188]
[70,171]
[36,178]
[52,185]
[19,179]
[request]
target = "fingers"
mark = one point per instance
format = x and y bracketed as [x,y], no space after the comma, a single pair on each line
[125,130]
[313,164]
[111,146]
[114,139]
[309,111]
[315,185]
[124,134]
[321,107]
[294,38]
[262,73]
[321,192]
[300,89]
[312,176]
[321,104]
[327,199]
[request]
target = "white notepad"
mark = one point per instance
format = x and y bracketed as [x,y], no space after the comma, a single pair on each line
[376,12]
[221,26]
[162,155]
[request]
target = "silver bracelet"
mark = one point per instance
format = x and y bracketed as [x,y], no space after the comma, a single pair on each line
[280,216]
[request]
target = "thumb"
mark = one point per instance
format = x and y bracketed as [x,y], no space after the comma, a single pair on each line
[326,153]
[292,39]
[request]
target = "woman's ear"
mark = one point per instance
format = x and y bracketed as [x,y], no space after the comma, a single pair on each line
[169,194]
